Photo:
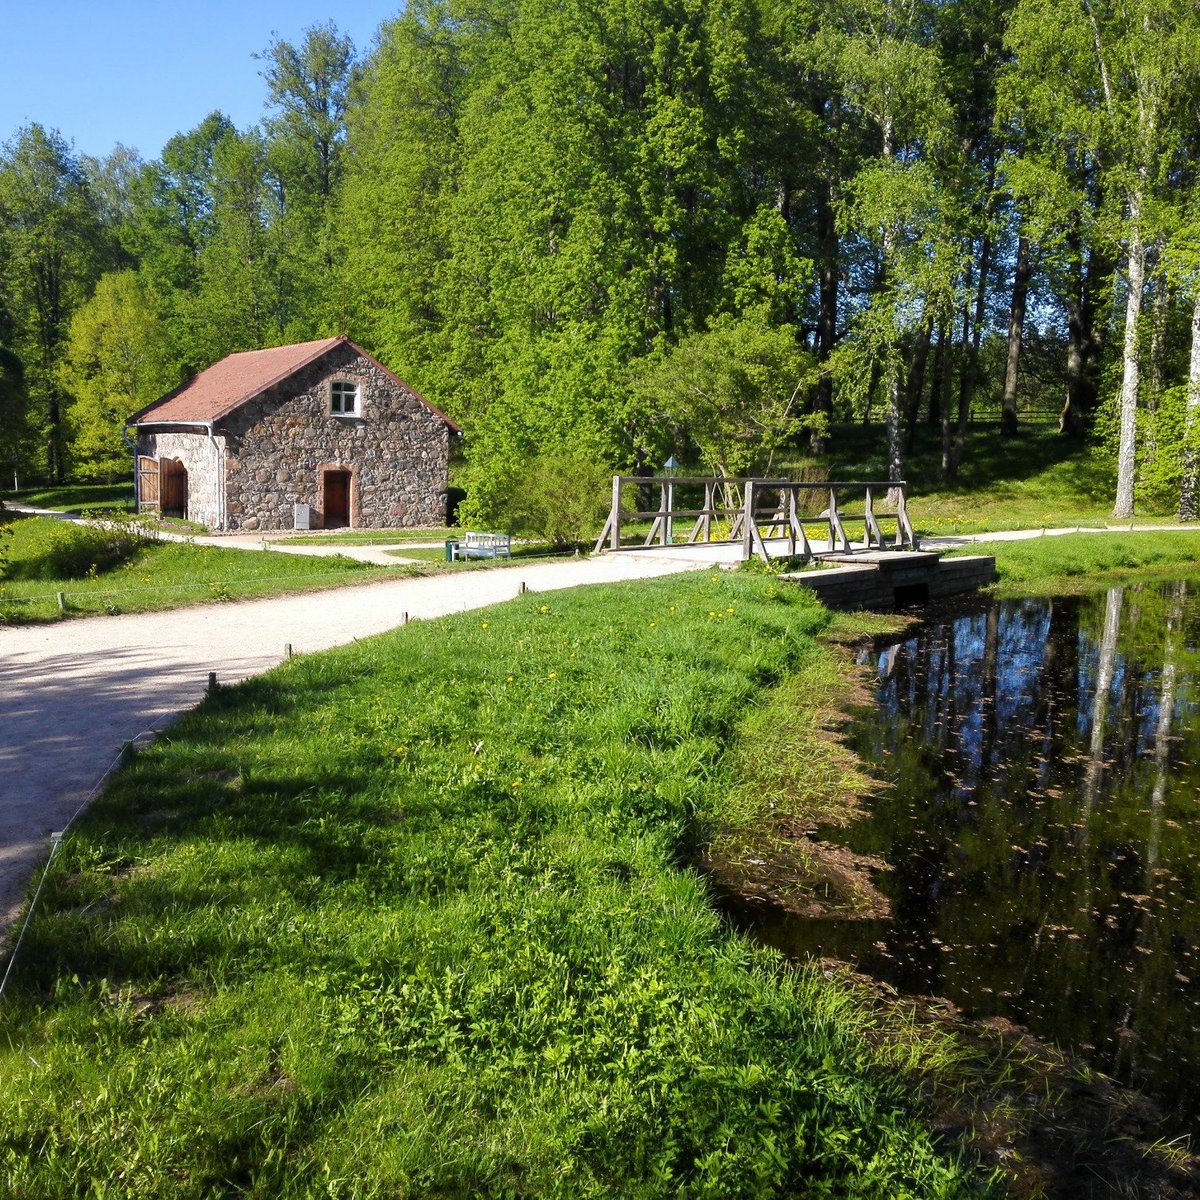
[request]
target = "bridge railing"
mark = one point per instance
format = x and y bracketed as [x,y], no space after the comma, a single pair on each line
[758,511]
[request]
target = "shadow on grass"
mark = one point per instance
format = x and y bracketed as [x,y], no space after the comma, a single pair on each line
[989,461]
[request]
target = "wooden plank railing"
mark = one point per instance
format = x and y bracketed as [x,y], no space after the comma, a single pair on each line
[770,505]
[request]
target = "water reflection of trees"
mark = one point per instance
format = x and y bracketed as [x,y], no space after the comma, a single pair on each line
[1043,763]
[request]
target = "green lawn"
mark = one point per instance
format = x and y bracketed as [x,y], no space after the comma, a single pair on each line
[74,498]
[1086,561]
[101,572]
[414,918]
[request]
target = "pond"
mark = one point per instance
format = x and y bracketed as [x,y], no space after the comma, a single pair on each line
[1039,811]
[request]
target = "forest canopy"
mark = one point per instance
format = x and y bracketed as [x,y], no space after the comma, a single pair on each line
[625,229]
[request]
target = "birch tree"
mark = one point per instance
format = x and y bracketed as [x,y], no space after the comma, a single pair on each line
[1110,78]
[891,77]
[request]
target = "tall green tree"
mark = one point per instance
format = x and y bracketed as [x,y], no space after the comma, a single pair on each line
[891,75]
[239,301]
[117,358]
[308,88]
[15,437]
[51,252]
[171,224]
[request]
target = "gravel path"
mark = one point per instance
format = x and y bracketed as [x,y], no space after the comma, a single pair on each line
[72,693]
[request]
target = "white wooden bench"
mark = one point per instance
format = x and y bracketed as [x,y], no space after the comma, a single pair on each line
[483,545]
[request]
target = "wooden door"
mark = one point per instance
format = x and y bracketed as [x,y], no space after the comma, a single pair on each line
[173,487]
[336,486]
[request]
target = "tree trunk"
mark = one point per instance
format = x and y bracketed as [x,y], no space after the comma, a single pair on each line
[1187,486]
[827,269]
[969,380]
[949,458]
[940,381]
[895,435]
[1085,340]
[1016,327]
[1127,448]
[948,465]
[914,387]
[872,384]
[1152,383]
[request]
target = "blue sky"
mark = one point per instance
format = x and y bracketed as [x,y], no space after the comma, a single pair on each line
[136,72]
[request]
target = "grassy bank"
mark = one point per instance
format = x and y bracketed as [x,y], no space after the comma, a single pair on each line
[410,918]
[1069,563]
[101,571]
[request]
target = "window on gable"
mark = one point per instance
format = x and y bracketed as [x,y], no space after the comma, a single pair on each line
[343,398]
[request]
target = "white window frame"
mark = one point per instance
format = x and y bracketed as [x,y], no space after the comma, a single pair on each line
[338,390]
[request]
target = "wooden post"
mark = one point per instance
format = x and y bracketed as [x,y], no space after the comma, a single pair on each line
[212,682]
[904,529]
[668,521]
[748,520]
[616,514]
[62,601]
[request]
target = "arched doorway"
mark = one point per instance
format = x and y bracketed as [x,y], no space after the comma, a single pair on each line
[173,488]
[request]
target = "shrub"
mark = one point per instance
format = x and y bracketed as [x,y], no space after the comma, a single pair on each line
[47,548]
[561,497]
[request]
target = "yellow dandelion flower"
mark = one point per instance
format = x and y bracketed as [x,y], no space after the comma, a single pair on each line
[552,675]
[483,625]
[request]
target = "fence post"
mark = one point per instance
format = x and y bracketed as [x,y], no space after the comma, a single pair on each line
[748,521]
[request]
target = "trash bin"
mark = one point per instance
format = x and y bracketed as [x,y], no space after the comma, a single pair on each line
[451,547]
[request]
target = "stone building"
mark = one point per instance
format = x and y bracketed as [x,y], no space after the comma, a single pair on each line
[316,435]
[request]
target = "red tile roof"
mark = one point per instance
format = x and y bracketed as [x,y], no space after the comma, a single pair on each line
[233,381]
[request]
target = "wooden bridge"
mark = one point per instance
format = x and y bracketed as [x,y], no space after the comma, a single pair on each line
[810,521]
[776,511]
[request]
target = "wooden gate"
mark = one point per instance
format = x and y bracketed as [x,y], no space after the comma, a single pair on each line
[147,482]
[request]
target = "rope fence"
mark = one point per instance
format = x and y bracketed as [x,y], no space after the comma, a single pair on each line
[56,839]
[207,586]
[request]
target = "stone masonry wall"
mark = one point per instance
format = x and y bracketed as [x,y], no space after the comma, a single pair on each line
[202,461]
[277,446]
